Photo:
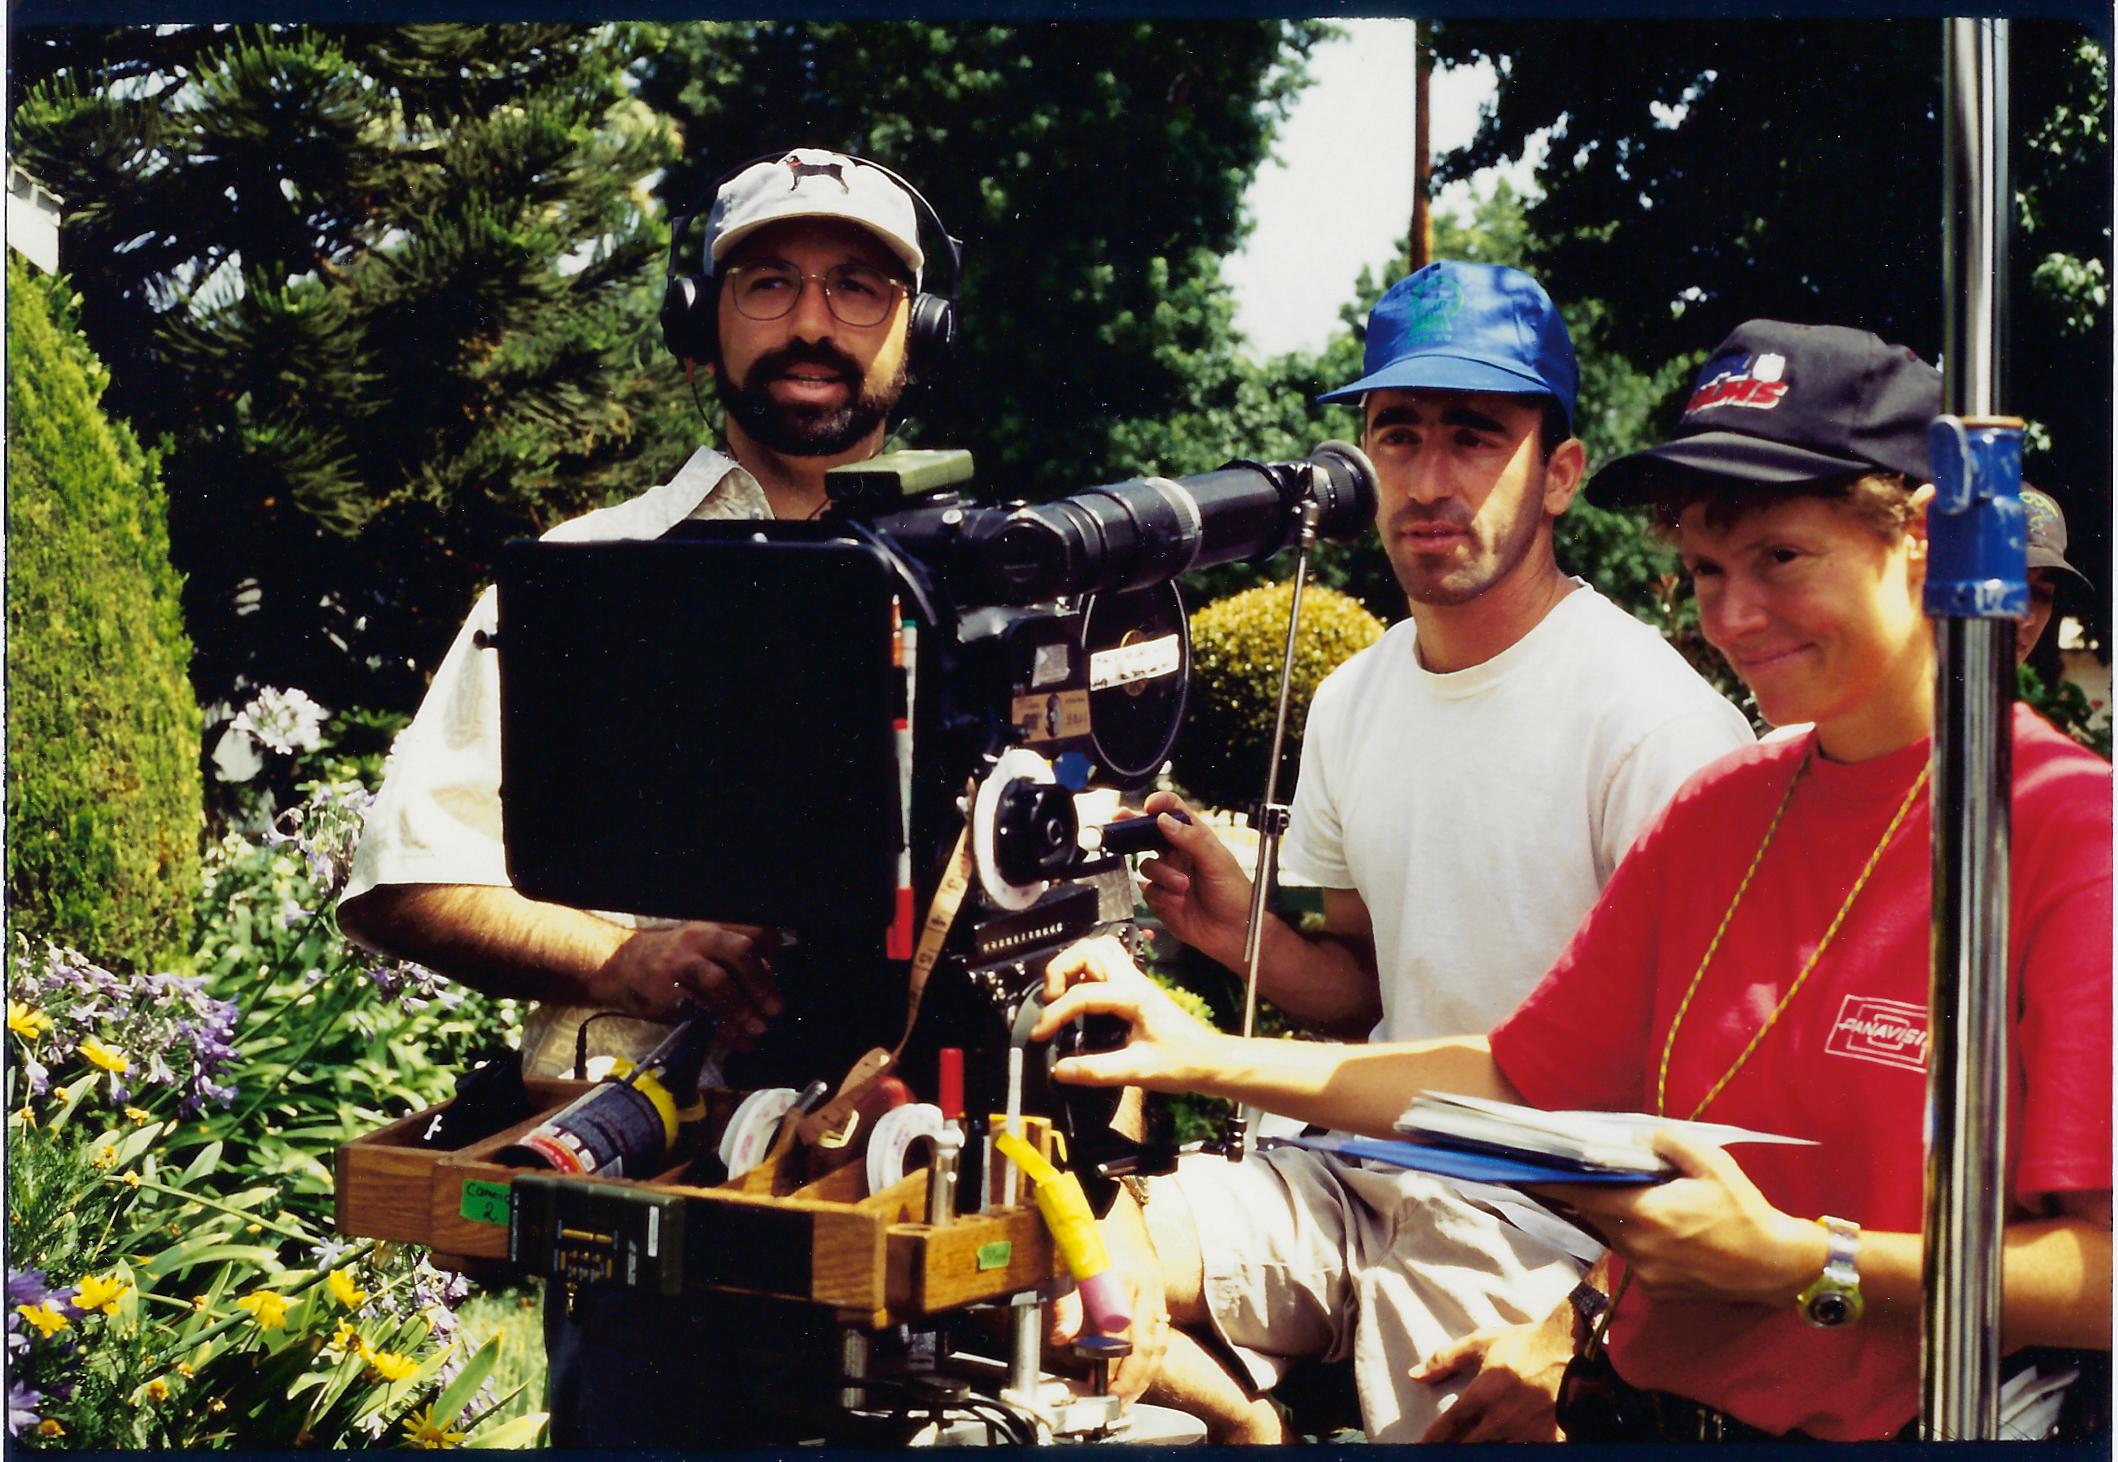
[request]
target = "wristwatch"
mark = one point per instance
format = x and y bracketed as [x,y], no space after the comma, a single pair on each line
[1834,1297]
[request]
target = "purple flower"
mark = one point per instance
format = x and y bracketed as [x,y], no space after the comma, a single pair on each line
[22,1404]
[27,1287]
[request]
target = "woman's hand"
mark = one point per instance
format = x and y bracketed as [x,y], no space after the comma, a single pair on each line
[1167,1050]
[1708,1233]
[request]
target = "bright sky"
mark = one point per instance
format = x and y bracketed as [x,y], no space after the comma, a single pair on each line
[1340,195]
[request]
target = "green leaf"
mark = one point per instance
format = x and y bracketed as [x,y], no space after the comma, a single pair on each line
[201,1166]
[209,1249]
[468,1380]
[523,1431]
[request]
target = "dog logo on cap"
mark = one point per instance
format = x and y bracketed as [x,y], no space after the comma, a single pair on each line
[802,170]
[1431,309]
[1757,382]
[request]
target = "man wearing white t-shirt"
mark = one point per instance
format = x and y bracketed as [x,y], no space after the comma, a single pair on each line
[1468,784]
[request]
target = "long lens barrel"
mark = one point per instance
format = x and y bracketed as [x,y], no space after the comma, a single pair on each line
[1151,529]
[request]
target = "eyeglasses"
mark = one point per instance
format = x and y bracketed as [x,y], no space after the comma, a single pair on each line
[855,294]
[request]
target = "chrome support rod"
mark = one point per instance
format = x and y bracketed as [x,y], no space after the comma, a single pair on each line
[1975,588]
[1271,824]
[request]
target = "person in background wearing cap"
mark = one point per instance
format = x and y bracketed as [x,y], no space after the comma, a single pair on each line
[2047,561]
[811,259]
[1761,959]
[1467,786]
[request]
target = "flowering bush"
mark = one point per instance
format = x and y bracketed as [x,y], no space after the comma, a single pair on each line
[174,1281]
[141,1032]
[285,721]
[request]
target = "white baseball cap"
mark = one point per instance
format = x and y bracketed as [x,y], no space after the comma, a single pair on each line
[812,183]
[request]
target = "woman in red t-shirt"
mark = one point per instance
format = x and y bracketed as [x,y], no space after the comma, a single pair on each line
[1760,958]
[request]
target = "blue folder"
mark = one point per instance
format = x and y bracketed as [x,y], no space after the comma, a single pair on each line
[1476,1167]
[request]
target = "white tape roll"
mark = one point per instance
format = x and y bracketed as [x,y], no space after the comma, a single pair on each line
[750,1131]
[894,1132]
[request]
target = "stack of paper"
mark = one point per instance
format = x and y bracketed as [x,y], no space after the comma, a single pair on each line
[1498,1142]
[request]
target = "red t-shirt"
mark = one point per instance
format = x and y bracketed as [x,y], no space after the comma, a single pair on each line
[1846,1064]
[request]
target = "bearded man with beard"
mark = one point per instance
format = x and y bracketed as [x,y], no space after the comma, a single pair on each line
[812,261]
[1468,784]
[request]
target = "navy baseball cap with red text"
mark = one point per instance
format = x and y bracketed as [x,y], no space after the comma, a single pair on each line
[1780,404]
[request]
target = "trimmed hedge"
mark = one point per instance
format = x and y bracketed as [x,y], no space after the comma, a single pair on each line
[103,783]
[1236,645]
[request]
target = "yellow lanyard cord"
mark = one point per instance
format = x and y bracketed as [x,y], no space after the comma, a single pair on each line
[1684,1005]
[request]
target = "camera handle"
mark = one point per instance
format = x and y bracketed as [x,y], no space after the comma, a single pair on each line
[1270,819]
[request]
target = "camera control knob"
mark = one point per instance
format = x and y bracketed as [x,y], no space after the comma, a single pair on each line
[1035,831]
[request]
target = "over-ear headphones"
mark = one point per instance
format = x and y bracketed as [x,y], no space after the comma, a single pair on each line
[690,299]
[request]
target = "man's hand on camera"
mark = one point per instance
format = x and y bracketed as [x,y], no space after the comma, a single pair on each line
[721,966]
[1196,887]
[1513,1393]
[1167,1049]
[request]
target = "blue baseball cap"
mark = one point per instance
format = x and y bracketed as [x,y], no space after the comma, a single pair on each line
[1467,327]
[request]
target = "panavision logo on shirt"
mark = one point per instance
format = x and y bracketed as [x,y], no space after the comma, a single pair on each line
[1893,1032]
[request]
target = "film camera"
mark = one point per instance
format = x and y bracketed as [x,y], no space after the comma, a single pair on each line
[795,724]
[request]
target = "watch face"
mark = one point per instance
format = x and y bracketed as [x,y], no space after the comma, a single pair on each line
[1832,1307]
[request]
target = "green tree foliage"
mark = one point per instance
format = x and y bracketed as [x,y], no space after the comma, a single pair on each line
[382,290]
[1792,169]
[1237,644]
[1096,173]
[103,797]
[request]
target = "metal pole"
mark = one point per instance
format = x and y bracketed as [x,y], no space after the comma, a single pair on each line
[1421,236]
[1271,822]
[1976,585]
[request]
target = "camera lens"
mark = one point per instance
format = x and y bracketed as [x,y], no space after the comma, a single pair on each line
[1151,529]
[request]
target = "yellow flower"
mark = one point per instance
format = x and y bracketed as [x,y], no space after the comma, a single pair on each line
[131,1180]
[134,1114]
[156,1390]
[346,1340]
[391,1366]
[216,1405]
[253,1228]
[267,1308]
[102,1294]
[28,1115]
[49,1427]
[105,1156]
[26,1022]
[421,1430]
[49,1322]
[101,1055]
[351,1295]
[183,1370]
[198,1302]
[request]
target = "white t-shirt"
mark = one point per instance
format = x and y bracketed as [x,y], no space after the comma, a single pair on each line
[1479,813]
[437,817]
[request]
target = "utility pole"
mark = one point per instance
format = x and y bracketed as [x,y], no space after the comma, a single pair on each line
[1422,230]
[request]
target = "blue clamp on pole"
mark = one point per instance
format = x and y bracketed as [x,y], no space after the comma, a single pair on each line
[1977,537]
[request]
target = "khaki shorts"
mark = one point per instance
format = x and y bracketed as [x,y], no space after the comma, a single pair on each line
[1308,1256]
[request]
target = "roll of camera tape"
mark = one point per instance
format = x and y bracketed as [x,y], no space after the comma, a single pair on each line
[893,1134]
[750,1131]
